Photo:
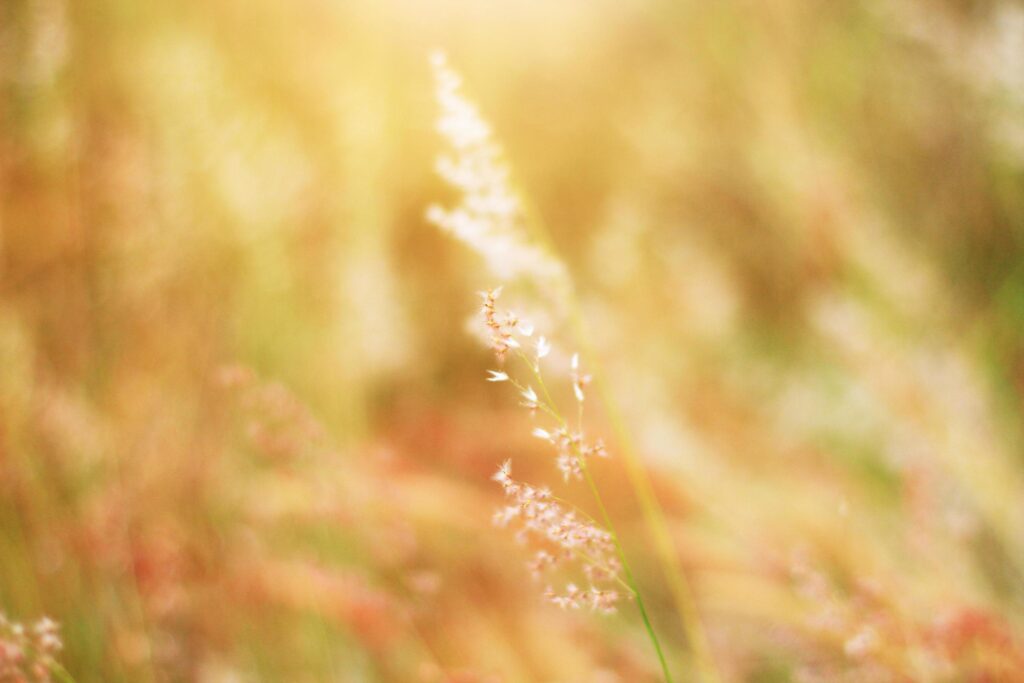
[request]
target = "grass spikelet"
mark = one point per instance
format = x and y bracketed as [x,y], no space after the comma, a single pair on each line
[490,217]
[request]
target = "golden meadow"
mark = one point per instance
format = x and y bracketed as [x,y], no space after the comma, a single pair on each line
[775,249]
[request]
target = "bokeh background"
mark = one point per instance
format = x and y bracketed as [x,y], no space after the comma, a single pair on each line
[244,434]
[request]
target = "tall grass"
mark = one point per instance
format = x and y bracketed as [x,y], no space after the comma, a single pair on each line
[245,437]
[493,220]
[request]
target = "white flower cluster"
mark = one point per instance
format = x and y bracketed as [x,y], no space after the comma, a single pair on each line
[575,541]
[505,330]
[27,654]
[489,218]
[571,450]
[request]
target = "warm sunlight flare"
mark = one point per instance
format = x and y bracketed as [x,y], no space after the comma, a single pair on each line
[588,341]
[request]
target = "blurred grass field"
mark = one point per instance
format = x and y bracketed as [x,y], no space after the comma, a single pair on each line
[244,433]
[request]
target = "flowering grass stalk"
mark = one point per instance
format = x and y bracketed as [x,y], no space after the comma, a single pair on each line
[494,220]
[594,546]
[490,216]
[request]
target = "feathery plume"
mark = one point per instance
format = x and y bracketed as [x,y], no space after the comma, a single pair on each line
[489,217]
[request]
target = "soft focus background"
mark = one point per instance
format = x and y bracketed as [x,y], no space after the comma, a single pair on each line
[244,434]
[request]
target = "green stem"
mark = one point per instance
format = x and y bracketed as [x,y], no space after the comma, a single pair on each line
[61,673]
[654,516]
[626,569]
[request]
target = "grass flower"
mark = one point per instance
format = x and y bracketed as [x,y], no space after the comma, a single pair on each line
[578,380]
[568,539]
[28,655]
[543,348]
[489,217]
